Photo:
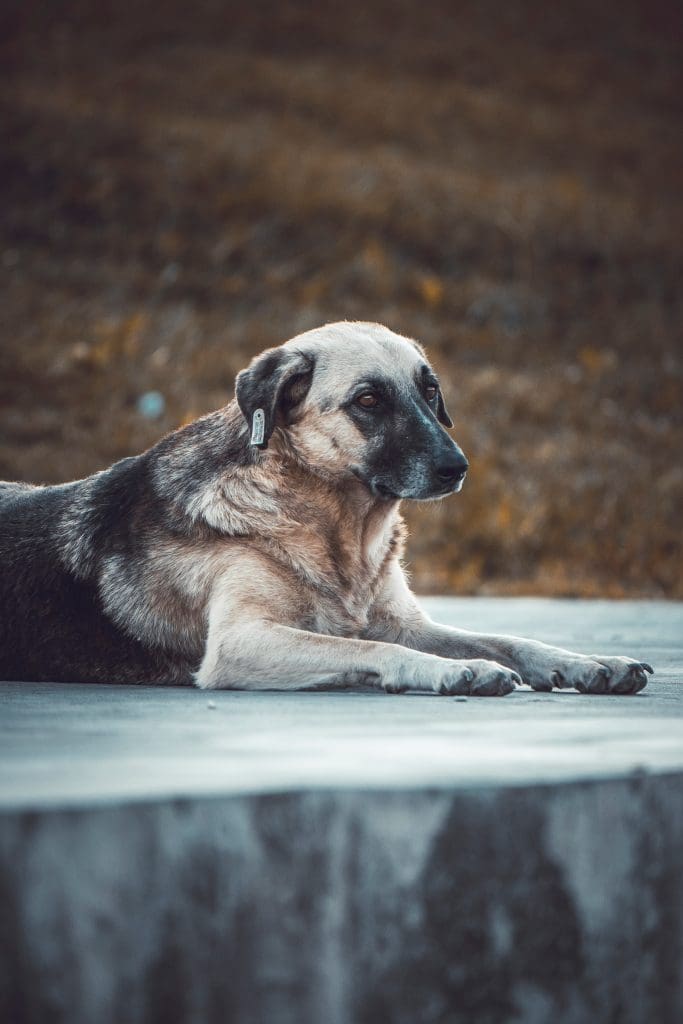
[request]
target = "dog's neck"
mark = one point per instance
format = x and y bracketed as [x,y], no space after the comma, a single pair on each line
[361,530]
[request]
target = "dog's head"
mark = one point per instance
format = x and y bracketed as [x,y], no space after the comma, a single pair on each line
[356,400]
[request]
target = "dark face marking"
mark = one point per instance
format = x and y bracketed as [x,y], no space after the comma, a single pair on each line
[408,454]
[432,391]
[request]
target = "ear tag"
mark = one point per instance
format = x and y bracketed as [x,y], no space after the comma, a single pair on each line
[258,427]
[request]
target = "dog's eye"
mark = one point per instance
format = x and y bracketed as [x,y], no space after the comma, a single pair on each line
[431,392]
[367,400]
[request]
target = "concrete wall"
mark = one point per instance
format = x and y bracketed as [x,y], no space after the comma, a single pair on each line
[557,903]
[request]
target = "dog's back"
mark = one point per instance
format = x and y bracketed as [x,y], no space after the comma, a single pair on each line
[52,625]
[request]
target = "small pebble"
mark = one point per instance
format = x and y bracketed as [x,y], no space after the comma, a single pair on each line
[211,706]
[461,699]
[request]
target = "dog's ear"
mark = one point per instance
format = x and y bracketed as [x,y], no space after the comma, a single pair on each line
[442,412]
[272,385]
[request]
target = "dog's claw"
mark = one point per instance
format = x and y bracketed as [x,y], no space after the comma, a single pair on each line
[634,680]
[641,676]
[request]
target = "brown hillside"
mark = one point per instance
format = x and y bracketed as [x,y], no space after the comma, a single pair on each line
[185,185]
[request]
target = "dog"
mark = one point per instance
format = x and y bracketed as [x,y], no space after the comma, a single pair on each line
[260,546]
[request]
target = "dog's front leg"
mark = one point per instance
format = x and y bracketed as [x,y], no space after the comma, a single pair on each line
[540,665]
[262,655]
[399,619]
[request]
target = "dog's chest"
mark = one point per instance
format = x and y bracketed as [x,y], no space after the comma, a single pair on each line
[338,617]
[344,611]
[337,603]
[335,581]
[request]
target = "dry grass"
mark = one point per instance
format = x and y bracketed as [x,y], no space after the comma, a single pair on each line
[503,182]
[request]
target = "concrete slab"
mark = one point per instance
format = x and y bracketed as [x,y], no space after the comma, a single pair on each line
[171,856]
[62,745]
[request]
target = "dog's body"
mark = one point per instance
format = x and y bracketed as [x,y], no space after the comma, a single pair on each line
[259,547]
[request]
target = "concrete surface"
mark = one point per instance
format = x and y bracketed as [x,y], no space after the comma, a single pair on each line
[171,856]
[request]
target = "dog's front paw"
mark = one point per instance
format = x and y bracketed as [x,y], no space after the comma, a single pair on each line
[593,674]
[428,673]
[623,675]
[474,677]
[488,679]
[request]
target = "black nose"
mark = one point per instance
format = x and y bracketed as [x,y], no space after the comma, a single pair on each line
[452,470]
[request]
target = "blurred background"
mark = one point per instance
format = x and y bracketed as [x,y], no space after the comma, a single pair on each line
[184,185]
